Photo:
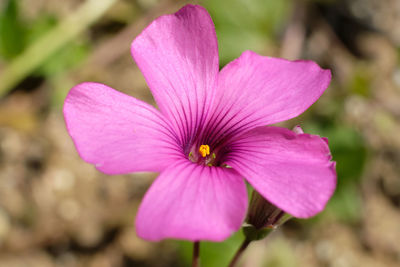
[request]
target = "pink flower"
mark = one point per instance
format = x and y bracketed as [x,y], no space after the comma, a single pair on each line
[209,134]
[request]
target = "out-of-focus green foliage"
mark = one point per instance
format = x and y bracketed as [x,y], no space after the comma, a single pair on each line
[70,56]
[12,31]
[349,151]
[246,24]
[52,41]
[13,44]
[16,36]
[40,26]
[361,82]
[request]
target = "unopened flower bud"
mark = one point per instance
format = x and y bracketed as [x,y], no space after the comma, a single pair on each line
[262,218]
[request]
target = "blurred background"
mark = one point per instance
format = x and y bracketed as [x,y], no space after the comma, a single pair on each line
[56,210]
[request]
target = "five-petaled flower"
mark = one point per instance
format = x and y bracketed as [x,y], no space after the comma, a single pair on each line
[209,133]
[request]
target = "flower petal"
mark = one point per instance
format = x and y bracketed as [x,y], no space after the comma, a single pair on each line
[193,202]
[254,90]
[293,171]
[178,56]
[116,132]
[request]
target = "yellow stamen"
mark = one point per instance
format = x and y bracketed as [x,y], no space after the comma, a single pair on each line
[204,150]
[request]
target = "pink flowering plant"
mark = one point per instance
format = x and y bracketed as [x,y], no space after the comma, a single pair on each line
[209,134]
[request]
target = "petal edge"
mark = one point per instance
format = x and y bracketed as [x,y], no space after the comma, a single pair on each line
[110,129]
[293,171]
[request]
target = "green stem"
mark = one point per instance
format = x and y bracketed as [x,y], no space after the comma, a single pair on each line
[196,254]
[239,252]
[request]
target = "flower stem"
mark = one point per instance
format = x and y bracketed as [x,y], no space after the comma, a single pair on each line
[196,254]
[239,252]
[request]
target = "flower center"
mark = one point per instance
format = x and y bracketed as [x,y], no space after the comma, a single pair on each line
[203,155]
[204,150]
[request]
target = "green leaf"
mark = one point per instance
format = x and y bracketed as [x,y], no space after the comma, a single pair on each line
[12,32]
